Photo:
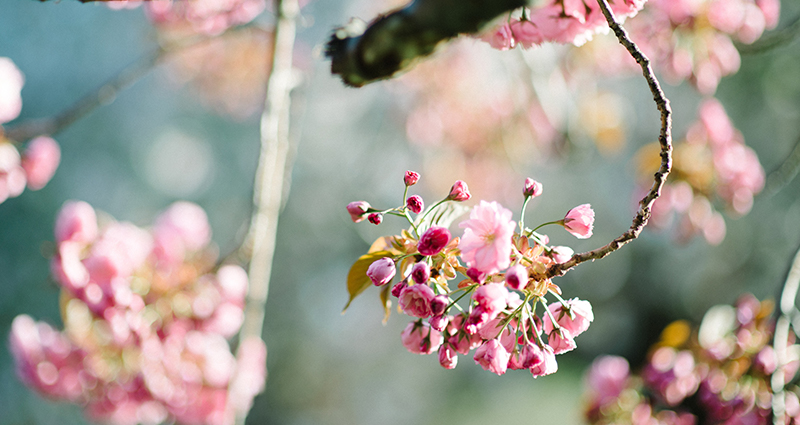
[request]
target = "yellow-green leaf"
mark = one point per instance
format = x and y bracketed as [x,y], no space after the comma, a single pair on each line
[386,302]
[357,280]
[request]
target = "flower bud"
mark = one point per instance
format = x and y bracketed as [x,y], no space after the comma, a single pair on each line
[381,271]
[411,178]
[414,204]
[375,218]
[448,357]
[459,192]
[396,289]
[532,188]
[416,300]
[476,275]
[517,277]
[439,304]
[561,254]
[40,161]
[579,221]
[439,322]
[433,240]
[357,209]
[421,272]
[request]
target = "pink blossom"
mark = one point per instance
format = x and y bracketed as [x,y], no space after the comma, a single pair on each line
[771,10]
[439,303]
[579,221]
[357,210]
[532,188]
[251,373]
[77,222]
[492,356]
[500,37]
[381,271]
[491,298]
[398,288]
[421,272]
[233,283]
[433,241]
[448,357]
[414,204]
[186,222]
[581,310]
[528,356]
[439,322]
[375,218]
[411,178]
[607,377]
[486,244]
[494,329]
[459,192]
[561,254]
[415,300]
[561,340]
[548,366]
[420,338]
[10,99]
[526,33]
[40,161]
[517,277]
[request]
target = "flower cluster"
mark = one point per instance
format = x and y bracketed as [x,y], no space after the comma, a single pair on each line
[506,281]
[712,162]
[33,167]
[559,21]
[210,17]
[146,321]
[718,374]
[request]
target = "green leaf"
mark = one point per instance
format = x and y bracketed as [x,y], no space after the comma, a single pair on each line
[357,280]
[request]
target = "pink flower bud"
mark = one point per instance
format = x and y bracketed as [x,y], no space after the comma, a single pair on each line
[561,340]
[579,221]
[381,271]
[10,99]
[375,218]
[548,366]
[517,277]
[532,188]
[448,357]
[411,178]
[459,192]
[561,254]
[414,204]
[576,321]
[439,322]
[492,356]
[416,300]
[396,289]
[40,161]
[357,210]
[438,304]
[421,272]
[433,240]
[421,339]
[77,222]
[476,275]
[491,298]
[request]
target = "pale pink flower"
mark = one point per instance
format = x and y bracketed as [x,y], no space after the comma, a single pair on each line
[581,310]
[606,378]
[448,357]
[516,277]
[414,204]
[486,244]
[411,178]
[10,90]
[77,222]
[433,240]
[492,356]
[491,298]
[579,221]
[561,254]
[548,366]
[459,192]
[561,340]
[357,210]
[420,338]
[532,188]
[415,300]
[381,271]
[526,33]
[251,366]
[40,161]
[233,283]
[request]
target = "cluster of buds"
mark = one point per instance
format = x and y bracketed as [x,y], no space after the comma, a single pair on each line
[147,316]
[33,167]
[506,281]
[559,21]
[719,374]
[711,163]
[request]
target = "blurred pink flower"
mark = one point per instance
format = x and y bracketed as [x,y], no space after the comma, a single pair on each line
[77,222]
[606,378]
[12,82]
[486,244]
[526,33]
[492,356]
[40,161]
[579,221]
[500,37]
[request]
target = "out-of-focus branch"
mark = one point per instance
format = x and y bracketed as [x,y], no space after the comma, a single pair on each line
[106,93]
[788,311]
[664,139]
[785,173]
[259,244]
[772,40]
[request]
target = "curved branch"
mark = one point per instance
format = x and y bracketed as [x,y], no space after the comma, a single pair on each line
[664,139]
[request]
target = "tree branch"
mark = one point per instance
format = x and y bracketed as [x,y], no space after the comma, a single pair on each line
[664,139]
[270,179]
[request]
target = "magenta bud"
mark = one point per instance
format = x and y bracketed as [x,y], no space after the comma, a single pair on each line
[532,188]
[398,288]
[439,322]
[375,218]
[476,275]
[421,272]
[414,204]
[459,192]
[433,241]
[357,210]
[438,305]
[411,178]
[381,271]
[516,277]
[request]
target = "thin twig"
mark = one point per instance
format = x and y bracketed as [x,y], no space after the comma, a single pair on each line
[772,40]
[107,92]
[788,309]
[785,173]
[259,244]
[664,139]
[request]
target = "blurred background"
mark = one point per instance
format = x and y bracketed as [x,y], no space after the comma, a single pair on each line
[175,134]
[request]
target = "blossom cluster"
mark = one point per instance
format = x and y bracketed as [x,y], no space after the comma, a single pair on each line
[717,374]
[34,167]
[210,17]
[506,281]
[146,318]
[711,163]
[559,21]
